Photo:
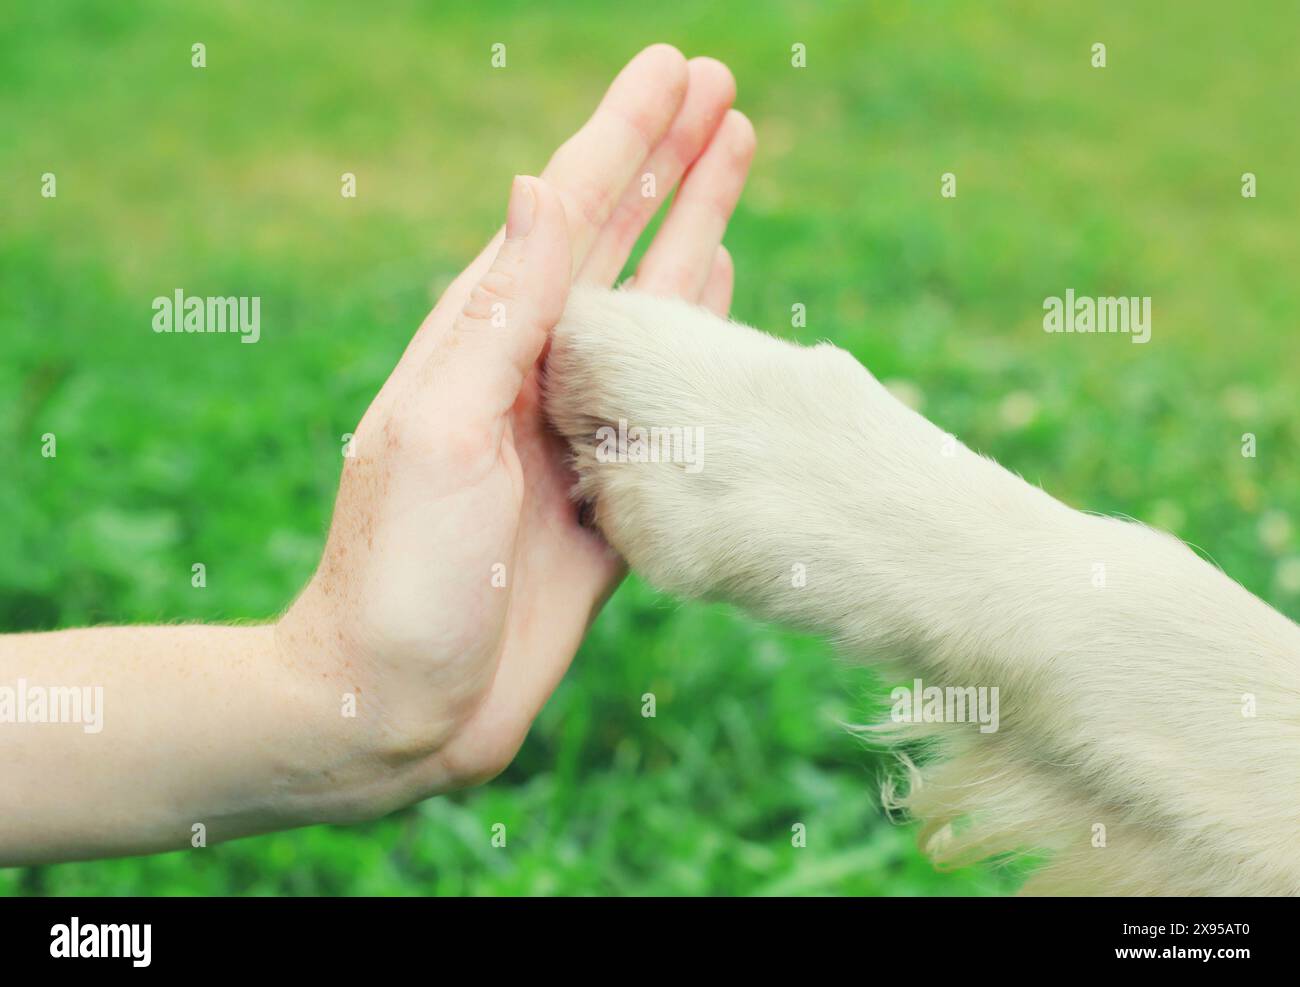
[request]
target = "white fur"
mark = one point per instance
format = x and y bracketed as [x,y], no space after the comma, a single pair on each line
[1121,705]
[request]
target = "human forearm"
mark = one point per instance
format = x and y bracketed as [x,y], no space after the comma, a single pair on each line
[198,726]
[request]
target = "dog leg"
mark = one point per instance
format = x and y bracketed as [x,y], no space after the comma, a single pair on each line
[1150,724]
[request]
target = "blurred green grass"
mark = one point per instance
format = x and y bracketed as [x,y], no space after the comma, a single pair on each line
[181,449]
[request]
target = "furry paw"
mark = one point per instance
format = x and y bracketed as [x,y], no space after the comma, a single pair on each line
[690,439]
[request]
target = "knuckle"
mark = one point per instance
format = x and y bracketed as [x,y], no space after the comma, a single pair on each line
[676,279]
[721,206]
[493,294]
[594,203]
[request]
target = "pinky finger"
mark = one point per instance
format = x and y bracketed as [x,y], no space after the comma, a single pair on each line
[716,296]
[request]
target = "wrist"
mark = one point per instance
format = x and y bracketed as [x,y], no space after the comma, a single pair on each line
[336,768]
[375,745]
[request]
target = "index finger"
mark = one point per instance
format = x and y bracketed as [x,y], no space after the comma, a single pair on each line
[589,171]
[592,168]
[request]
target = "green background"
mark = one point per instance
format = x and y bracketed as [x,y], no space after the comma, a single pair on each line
[225,180]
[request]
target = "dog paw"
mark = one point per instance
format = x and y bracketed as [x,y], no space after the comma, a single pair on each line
[701,444]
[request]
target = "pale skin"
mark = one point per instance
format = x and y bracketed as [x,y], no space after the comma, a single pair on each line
[454,487]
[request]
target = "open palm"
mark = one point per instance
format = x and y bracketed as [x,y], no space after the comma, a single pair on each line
[458,580]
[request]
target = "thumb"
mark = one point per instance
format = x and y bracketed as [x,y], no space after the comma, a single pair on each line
[509,314]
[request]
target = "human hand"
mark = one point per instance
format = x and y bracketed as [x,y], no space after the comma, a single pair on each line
[456,582]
